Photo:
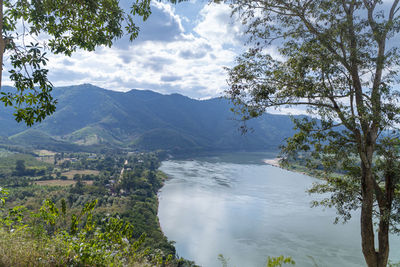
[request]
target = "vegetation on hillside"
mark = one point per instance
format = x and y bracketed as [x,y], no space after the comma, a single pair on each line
[108,216]
[68,26]
[90,119]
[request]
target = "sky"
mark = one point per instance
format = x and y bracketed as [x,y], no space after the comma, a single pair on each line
[181,48]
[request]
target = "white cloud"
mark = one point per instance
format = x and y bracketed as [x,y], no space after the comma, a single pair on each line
[165,58]
[288,111]
[217,25]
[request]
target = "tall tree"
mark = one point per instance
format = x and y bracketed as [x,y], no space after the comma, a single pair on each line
[20,167]
[340,59]
[62,26]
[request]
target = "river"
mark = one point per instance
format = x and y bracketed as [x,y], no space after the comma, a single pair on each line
[237,206]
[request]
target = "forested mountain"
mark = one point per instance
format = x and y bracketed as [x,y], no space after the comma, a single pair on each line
[92,116]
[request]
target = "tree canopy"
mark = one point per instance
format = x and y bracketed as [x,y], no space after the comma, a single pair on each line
[340,59]
[30,28]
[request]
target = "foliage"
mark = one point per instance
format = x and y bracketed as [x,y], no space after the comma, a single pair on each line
[340,60]
[279,261]
[391,264]
[143,120]
[69,25]
[223,260]
[83,242]
[20,166]
[88,224]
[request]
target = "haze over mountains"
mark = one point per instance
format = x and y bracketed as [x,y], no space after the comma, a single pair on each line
[94,117]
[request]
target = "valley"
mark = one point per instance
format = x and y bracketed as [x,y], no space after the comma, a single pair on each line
[180,172]
[91,119]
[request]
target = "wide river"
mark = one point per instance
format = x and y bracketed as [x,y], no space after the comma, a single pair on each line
[246,210]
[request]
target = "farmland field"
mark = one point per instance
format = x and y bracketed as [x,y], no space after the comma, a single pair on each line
[60,182]
[44,153]
[70,174]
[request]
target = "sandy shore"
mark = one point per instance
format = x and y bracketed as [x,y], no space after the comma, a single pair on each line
[273,162]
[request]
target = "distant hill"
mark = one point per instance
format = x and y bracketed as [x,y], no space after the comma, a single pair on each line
[89,116]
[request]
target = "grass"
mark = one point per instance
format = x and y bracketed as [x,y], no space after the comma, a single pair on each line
[60,182]
[5,153]
[30,161]
[70,174]
[49,160]
[30,246]
[8,163]
[44,153]
[20,249]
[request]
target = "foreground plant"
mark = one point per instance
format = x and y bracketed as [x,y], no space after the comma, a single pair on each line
[68,26]
[54,237]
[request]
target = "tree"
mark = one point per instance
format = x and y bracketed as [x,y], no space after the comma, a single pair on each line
[66,164]
[68,25]
[20,167]
[340,60]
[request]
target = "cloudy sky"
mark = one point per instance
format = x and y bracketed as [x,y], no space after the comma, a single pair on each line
[180,49]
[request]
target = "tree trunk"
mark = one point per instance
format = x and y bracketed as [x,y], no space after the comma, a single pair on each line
[383,238]
[367,227]
[385,209]
[373,257]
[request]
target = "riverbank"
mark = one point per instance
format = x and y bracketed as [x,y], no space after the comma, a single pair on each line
[276,162]
[273,162]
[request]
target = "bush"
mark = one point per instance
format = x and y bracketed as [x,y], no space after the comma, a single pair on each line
[46,239]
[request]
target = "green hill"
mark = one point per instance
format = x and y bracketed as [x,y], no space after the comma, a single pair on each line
[91,116]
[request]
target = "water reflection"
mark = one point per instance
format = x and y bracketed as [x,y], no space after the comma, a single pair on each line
[249,211]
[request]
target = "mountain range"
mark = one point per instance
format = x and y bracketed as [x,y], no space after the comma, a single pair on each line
[88,116]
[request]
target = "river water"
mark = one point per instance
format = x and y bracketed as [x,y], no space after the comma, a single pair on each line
[237,206]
